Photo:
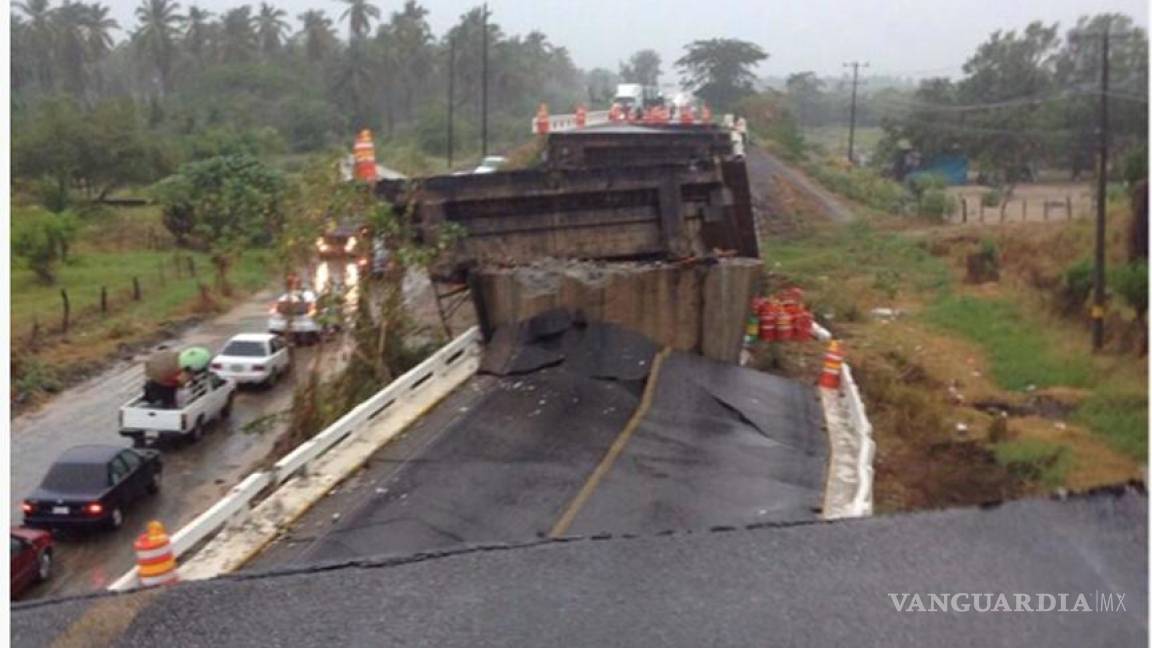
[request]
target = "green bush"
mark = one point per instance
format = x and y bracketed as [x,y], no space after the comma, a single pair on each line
[1131,283]
[1077,285]
[864,186]
[937,203]
[992,198]
[42,239]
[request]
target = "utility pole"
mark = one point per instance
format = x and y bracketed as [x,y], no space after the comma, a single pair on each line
[451,92]
[855,65]
[1099,273]
[484,84]
[1101,201]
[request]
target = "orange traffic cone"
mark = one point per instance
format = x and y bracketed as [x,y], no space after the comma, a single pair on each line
[833,359]
[364,151]
[542,120]
[154,560]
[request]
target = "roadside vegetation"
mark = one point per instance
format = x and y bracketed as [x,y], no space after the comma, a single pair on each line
[978,392]
[127,284]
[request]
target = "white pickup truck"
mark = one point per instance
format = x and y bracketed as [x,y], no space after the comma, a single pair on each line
[205,400]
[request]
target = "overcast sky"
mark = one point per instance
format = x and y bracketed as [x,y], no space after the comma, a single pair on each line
[900,37]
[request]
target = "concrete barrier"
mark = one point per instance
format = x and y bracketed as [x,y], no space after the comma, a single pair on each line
[850,473]
[568,122]
[314,464]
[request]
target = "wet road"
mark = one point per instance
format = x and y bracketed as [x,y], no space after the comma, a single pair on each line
[194,476]
[581,448]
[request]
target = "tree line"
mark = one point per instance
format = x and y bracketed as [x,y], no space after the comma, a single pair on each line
[1027,99]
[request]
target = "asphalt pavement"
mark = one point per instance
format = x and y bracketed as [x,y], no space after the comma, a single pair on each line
[508,456]
[194,476]
[809,584]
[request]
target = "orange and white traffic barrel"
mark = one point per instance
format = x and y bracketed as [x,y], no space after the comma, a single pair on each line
[155,562]
[802,325]
[364,151]
[542,120]
[581,116]
[769,310]
[686,115]
[784,323]
[833,360]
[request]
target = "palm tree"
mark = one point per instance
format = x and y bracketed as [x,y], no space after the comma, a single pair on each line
[197,31]
[40,37]
[97,28]
[270,28]
[360,14]
[317,33]
[155,36]
[238,41]
[71,48]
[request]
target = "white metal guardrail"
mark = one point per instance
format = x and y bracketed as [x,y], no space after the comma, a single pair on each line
[861,430]
[239,500]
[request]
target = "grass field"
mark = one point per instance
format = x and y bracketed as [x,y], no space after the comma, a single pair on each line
[834,139]
[163,294]
[111,249]
[1022,354]
[996,343]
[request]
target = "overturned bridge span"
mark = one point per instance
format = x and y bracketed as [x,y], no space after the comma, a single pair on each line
[661,211]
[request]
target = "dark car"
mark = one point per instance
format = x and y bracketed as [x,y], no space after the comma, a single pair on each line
[31,555]
[91,485]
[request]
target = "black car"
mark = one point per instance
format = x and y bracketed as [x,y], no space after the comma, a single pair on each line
[91,485]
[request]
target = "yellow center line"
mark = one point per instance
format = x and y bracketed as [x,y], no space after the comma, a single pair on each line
[565,521]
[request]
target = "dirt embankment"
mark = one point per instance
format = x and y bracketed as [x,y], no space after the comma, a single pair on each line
[947,432]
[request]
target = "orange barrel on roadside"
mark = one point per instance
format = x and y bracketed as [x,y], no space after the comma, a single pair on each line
[784,323]
[686,114]
[768,312]
[542,120]
[581,116]
[833,360]
[705,114]
[802,325]
[364,152]
[155,562]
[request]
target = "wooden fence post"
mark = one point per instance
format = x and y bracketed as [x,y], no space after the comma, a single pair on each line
[963,209]
[35,330]
[1045,209]
[135,289]
[1068,205]
[1024,211]
[104,300]
[67,310]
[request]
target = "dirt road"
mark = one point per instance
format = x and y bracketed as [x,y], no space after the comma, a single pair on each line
[764,168]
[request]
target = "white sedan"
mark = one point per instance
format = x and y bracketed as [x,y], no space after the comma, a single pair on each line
[253,358]
[295,314]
